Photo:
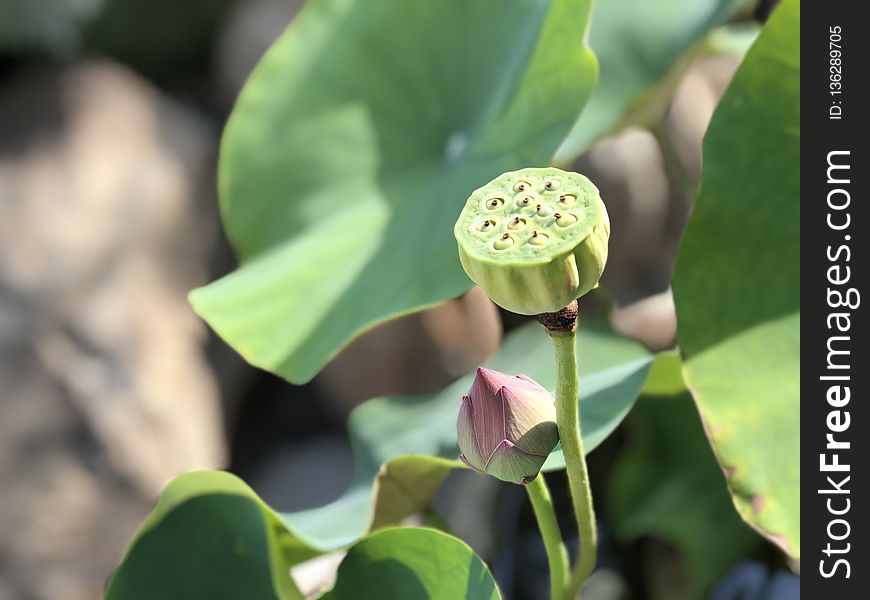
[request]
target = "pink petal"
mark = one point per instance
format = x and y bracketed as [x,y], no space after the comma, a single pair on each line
[467,437]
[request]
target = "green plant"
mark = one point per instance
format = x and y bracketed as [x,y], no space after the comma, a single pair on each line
[343,168]
[535,240]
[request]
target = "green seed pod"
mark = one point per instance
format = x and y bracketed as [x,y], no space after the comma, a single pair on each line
[556,256]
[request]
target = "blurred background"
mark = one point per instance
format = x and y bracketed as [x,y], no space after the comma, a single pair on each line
[110,117]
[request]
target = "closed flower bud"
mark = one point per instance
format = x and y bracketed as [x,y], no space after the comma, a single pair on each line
[534,239]
[506,426]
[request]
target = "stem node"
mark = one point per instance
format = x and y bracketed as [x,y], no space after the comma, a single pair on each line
[561,321]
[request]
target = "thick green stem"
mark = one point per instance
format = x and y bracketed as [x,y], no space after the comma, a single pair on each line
[557,554]
[568,420]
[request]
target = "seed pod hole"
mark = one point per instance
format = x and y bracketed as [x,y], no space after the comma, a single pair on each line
[517,223]
[552,184]
[563,220]
[487,226]
[544,211]
[524,201]
[538,238]
[494,203]
[522,185]
[506,241]
[567,199]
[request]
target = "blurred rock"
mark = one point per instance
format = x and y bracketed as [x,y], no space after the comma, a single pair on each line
[106,221]
[649,182]
[630,171]
[65,514]
[692,106]
[652,321]
[415,354]
[245,35]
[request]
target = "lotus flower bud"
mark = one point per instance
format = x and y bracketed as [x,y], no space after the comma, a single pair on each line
[506,426]
[534,239]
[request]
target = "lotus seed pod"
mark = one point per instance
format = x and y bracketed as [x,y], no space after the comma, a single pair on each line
[506,426]
[548,243]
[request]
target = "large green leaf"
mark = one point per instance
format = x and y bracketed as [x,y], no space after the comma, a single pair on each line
[210,537]
[210,532]
[737,283]
[637,42]
[412,564]
[353,147]
[667,483]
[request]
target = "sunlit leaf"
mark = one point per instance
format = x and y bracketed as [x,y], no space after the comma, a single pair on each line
[209,536]
[412,564]
[737,283]
[353,147]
